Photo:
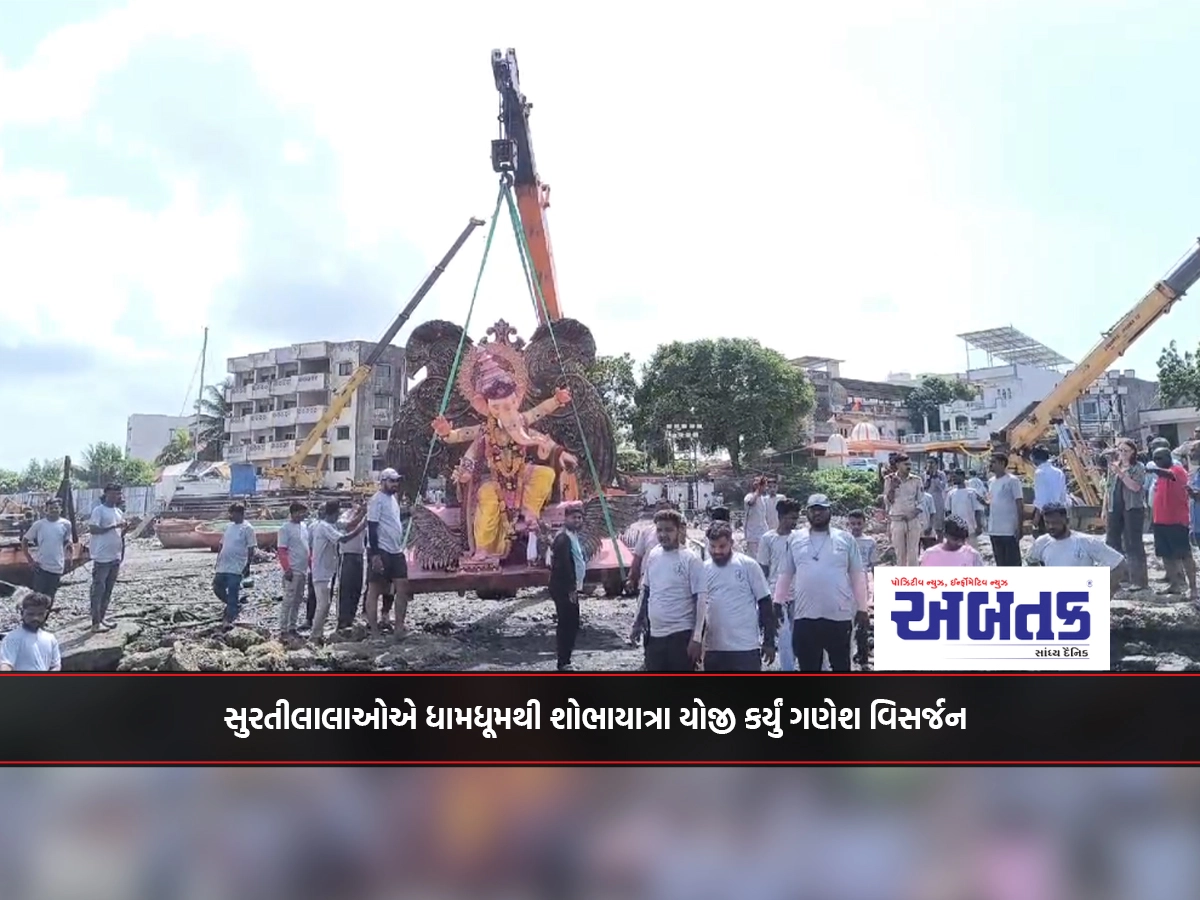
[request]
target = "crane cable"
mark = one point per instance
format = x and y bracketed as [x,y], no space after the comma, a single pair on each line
[539,299]
[458,355]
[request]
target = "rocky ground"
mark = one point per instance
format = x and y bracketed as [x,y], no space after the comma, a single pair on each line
[167,619]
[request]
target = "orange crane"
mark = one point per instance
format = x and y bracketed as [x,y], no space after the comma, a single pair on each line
[512,155]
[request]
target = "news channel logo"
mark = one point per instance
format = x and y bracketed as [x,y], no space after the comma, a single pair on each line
[1035,619]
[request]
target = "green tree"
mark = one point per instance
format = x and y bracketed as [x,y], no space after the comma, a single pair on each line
[138,473]
[212,415]
[614,378]
[925,402]
[846,488]
[10,481]
[744,396]
[179,450]
[1179,377]
[103,463]
[43,475]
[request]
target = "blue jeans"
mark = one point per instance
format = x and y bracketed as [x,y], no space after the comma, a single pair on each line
[226,586]
[787,657]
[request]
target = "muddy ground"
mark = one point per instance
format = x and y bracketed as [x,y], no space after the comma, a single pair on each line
[167,619]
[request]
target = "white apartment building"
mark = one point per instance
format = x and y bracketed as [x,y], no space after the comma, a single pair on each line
[279,395]
[146,434]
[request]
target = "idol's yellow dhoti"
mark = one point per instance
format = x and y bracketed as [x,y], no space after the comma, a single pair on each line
[490,524]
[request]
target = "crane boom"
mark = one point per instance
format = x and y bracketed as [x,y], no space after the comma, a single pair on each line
[293,472]
[1028,428]
[512,153]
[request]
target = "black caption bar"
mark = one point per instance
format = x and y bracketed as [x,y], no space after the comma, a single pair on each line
[487,718]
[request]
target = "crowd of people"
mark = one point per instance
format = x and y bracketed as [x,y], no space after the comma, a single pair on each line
[800,593]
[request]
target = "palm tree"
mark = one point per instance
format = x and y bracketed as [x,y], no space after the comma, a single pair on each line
[179,450]
[213,413]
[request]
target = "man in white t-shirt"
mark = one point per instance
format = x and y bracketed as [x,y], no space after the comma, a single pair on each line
[772,550]
[387,564]
[352,571]
[293,555]
[966,503]
[674,601]
[28,647]
[740,619]
[107,527]
[325,537]
[761,514]
[46,544]
[1060,546]
[237,545]
[823,576]
[1006,513]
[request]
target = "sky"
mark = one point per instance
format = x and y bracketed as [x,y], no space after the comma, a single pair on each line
[861,182]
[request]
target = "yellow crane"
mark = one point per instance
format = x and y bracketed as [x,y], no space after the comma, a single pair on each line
[293,474]
[1022,434]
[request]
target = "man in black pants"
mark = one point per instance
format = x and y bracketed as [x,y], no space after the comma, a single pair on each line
[675,600]
[1006,513]
[824,577]
[567,570]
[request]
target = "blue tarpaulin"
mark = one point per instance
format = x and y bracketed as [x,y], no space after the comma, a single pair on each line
[242,479]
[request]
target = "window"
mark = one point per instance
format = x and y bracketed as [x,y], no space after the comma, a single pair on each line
[377,464]
[1089,409]
[289,435]
[383,372]
[341,464]
[343,433]
[381,434]
[383,401]
[345,368]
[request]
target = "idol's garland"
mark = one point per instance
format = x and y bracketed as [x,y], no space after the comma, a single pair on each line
[883,714]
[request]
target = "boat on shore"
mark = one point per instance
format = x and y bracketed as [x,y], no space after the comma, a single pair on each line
[266,533]
[179,534]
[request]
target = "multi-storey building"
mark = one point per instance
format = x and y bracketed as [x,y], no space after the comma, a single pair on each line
[147,434]
[841,402]
[279,395]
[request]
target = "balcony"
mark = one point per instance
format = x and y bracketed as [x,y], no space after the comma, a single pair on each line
[238,364]
[284,416]
[937,437]
[277,449]
[311,350]
[260,389]
[315,381]
[238,454]
[259,421]
[310,413]
[284,386]
[242,393]
[381,417]
[238,423]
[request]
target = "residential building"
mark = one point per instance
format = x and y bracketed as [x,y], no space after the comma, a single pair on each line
[279,395]
[1113,406]
[1175,423]
[842,402]
[147,434]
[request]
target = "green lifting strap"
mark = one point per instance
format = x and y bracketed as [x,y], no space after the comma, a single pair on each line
[539,300]
[458,354]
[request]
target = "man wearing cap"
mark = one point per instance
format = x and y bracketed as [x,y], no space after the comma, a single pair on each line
[387,566]
[823,576]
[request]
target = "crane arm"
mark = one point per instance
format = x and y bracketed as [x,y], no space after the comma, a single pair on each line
[1027,429]
[345,393]
[512,154]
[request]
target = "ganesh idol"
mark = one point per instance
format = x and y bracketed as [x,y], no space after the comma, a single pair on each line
[509,472]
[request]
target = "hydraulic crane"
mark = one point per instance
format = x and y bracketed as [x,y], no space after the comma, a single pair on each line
[293,474]
[1022,434]
[512,155]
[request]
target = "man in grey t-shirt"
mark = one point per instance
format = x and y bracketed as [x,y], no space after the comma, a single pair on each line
[1006,513]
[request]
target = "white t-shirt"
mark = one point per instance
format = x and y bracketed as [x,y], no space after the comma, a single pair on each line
[356,544]
[51,538]
[821,570]
[772,548]
[293,537]
[1074,550]
[963,503]
[674,577]
[324,538]
[772,509]
[28,651]
[757,521]
[384,511]
[647,540]
[868,549]
[734,590]
[1003,492]
[236,543]
[107,547]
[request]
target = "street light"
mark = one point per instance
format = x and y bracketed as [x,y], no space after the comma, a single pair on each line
[690,432]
